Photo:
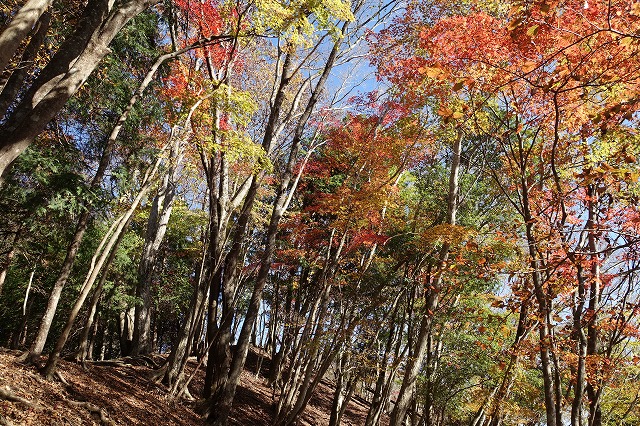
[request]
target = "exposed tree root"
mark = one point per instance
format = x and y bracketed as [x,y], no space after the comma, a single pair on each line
[4,421]
[183,394]
[14,352]
[141,360]
[25,358]
[109,363]
[157,375]
[8,395]
[149,361]
[62,379]
[94,409]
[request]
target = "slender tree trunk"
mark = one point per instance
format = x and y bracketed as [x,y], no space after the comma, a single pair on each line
[10,255]
[125,332]
[156,228]
[592,387]
[72,251]
[217,375]
[9,93]
[414,363]
[187,339]
[181,349]
[223,408]
[345,386]
[386,374]
[93,337]
[19,337]
[54,297]
[543,309]
[581,349]
[110,249]
[107,251]
[69,68]
[312,379]
[18,29]
[83,349]
[502,392]
[309,364]
[278,359]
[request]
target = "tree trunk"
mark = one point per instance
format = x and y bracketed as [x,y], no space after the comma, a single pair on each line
[108,250]
[593,387]
[278,359]
[69,68]
[9,93]
[581,349]
[125,331]
[83,349]
[386,375]
[543,309]
[186,339]
[156,229]
[72,251]
[217,375]
[223,408]
[18,29]
[10,255]
[414,363]
[308,365]
[54,297]
[343,390]
[502,392]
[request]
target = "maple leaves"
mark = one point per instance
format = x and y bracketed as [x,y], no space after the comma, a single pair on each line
[550,88]
[542,55]
[360,166]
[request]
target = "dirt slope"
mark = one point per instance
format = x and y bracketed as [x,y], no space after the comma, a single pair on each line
[124,395]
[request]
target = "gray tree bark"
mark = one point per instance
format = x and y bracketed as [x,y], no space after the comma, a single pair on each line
[11,88]
[19,27]
[69,68]
[106,248]
[222,407]
[156,229]
[10,255]
[414,362]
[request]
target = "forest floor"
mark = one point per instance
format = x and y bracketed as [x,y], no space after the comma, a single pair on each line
[123,394]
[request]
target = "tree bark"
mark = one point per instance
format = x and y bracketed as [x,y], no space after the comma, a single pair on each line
[110,249]
[72,251]
[543,309]
[593,389]
[414,362]
[217,375]
[223,408]
[9,92]
[156,229]
[386,375]
[83,348]
[103,252]
[65,73]
[9,258]
[18,29]
[491,413]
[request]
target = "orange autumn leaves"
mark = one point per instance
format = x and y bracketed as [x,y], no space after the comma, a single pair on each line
[582,55]
[351,183]
[357,172]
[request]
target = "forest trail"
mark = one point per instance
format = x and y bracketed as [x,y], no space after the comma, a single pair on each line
[123,394]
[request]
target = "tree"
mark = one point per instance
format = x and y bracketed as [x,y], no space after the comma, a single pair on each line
[63,75]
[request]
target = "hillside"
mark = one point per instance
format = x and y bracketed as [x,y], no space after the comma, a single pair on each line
[123,394]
